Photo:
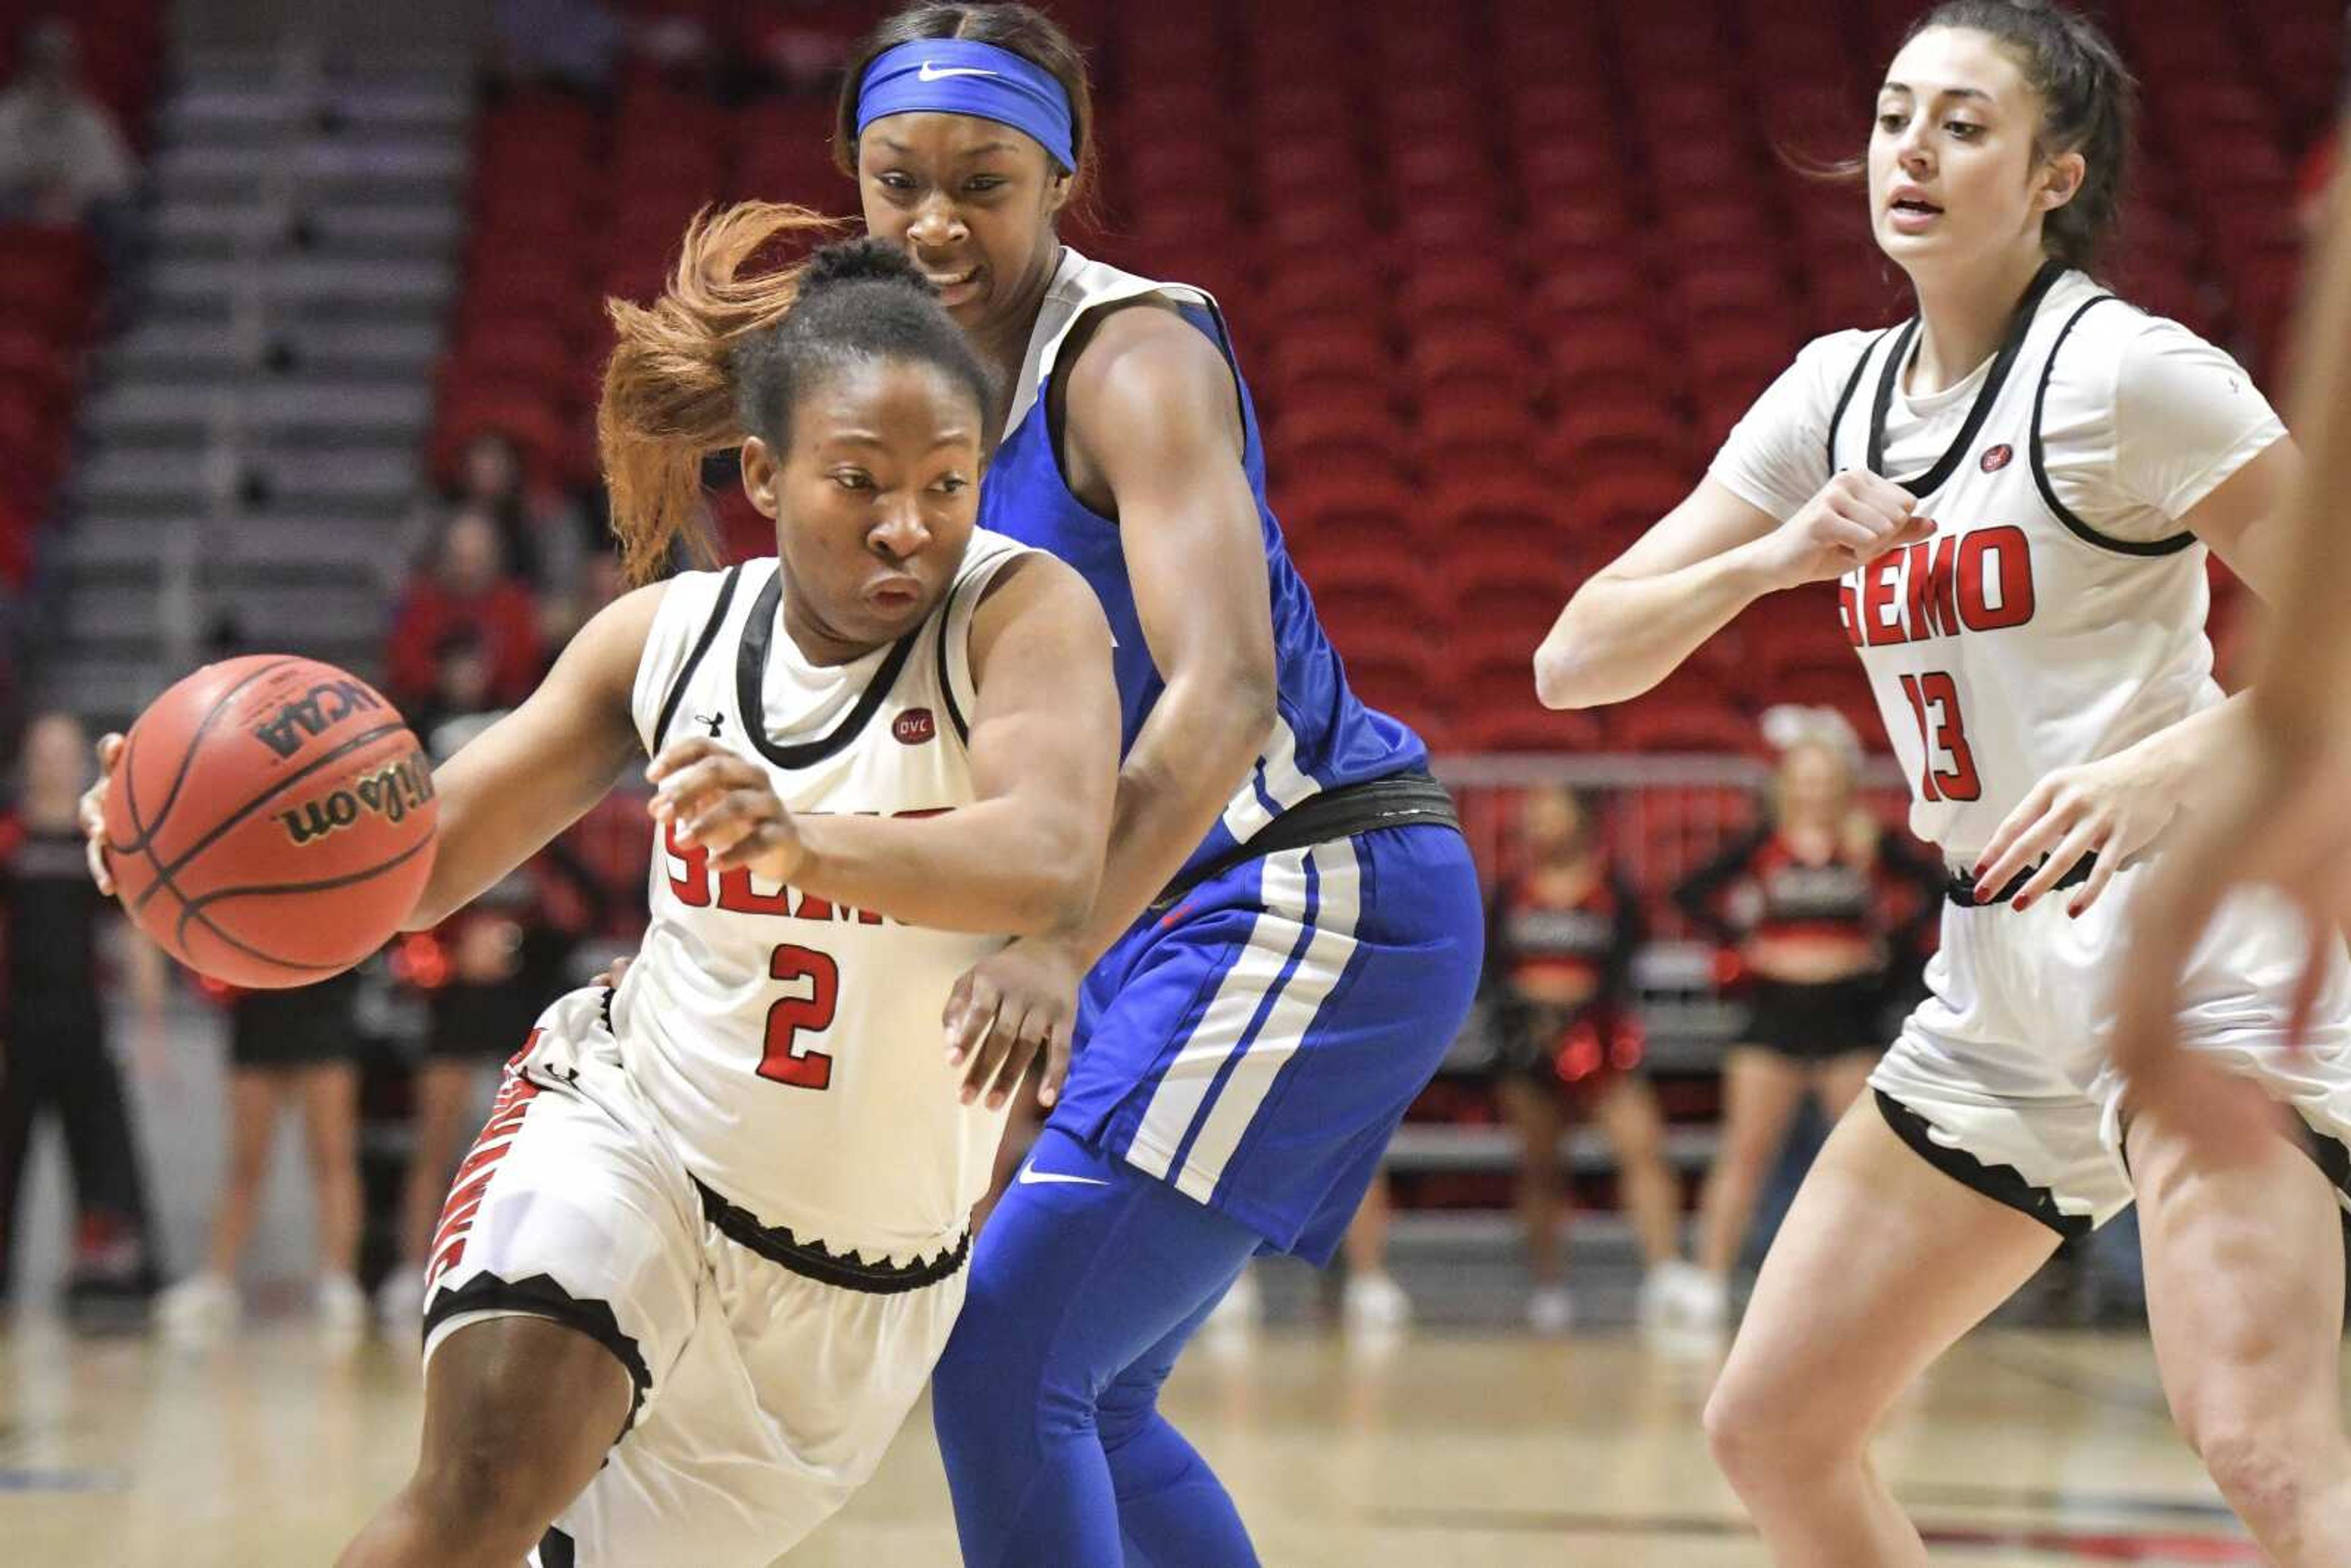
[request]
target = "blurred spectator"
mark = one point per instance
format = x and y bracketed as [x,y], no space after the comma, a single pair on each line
[53,1047]
[459,707]
[545,539]
[1822,913]
[468,588]
[296,1047]
[1562,934]
[62,159]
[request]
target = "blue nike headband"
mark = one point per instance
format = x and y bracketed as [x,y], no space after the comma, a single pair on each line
[958,76]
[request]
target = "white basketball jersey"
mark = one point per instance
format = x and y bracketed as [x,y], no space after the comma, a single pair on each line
[2018,640]
[793,1048]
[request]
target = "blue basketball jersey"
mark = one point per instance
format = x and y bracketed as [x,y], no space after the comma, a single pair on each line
[1324,737]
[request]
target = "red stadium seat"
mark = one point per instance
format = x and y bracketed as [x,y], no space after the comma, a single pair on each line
[1527,728]
[1505,505]
[1362,513]
[1652,724]
[1450,359]
[520,352]
[1471,433]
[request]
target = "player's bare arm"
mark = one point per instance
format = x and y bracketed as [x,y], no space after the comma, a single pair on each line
[1025,857]
[2280,820]
[1154,429]
[1633,622]
[513,787]
[1152,420]
[2116,806]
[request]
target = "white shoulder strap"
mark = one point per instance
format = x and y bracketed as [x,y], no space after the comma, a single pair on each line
[1079,285]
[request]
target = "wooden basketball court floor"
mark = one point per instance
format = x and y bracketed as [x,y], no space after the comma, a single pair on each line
[2027,1450]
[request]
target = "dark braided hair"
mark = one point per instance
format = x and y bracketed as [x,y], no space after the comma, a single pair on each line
[2089,104]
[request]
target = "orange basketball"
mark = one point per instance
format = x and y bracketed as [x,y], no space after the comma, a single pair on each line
[270,821]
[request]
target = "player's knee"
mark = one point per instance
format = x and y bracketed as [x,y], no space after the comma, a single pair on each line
[1762,1437]
[2258,1468]
[491,1499]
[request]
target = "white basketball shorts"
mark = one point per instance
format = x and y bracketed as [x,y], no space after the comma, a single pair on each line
[2002,1077]
[764,1397]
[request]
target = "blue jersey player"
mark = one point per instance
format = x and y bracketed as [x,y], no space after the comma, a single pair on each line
[1289,929]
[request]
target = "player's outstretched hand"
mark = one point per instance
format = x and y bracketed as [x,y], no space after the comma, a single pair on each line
[92,813]
[724,804]
[1005,1010]
[2113,808]
[1851,520]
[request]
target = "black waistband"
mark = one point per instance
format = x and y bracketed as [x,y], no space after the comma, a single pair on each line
[1961,888]
[1397,801]
[815,1260]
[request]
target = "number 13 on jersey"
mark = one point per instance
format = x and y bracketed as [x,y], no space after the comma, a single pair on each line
[1942,733]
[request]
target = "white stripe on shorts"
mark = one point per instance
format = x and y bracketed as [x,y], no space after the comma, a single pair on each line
[1282,889]
[1318,969]
[1292,1010]
[1284,780]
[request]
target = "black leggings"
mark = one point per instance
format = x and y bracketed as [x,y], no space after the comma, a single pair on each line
[66,1066]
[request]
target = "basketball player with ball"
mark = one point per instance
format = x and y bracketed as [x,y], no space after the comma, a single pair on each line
[699,1265]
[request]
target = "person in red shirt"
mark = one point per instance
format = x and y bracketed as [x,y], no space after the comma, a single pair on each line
[468,588]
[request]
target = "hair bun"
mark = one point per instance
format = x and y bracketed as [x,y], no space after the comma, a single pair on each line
[862,260]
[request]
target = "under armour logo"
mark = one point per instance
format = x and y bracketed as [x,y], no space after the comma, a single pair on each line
[714,720]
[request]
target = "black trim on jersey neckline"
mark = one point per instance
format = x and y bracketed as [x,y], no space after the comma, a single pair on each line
[2002,1184]
[2170,545]
[1933,479]
[1852,385]
[946,680]
[701,646]
[751,679]
[557,1550]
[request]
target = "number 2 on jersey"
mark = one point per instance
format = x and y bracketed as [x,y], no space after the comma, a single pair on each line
[1935,700]
[782,1061]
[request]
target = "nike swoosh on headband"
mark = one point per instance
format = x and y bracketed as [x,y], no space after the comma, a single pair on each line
[939,73]
[1029,1174]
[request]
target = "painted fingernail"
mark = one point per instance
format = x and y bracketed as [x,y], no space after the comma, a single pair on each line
[2072,911]
[2023,901]
[995,1101]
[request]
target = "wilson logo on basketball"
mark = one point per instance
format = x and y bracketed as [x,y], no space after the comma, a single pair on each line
[915,726]
[390,793]
[313,712]
[1996,459]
